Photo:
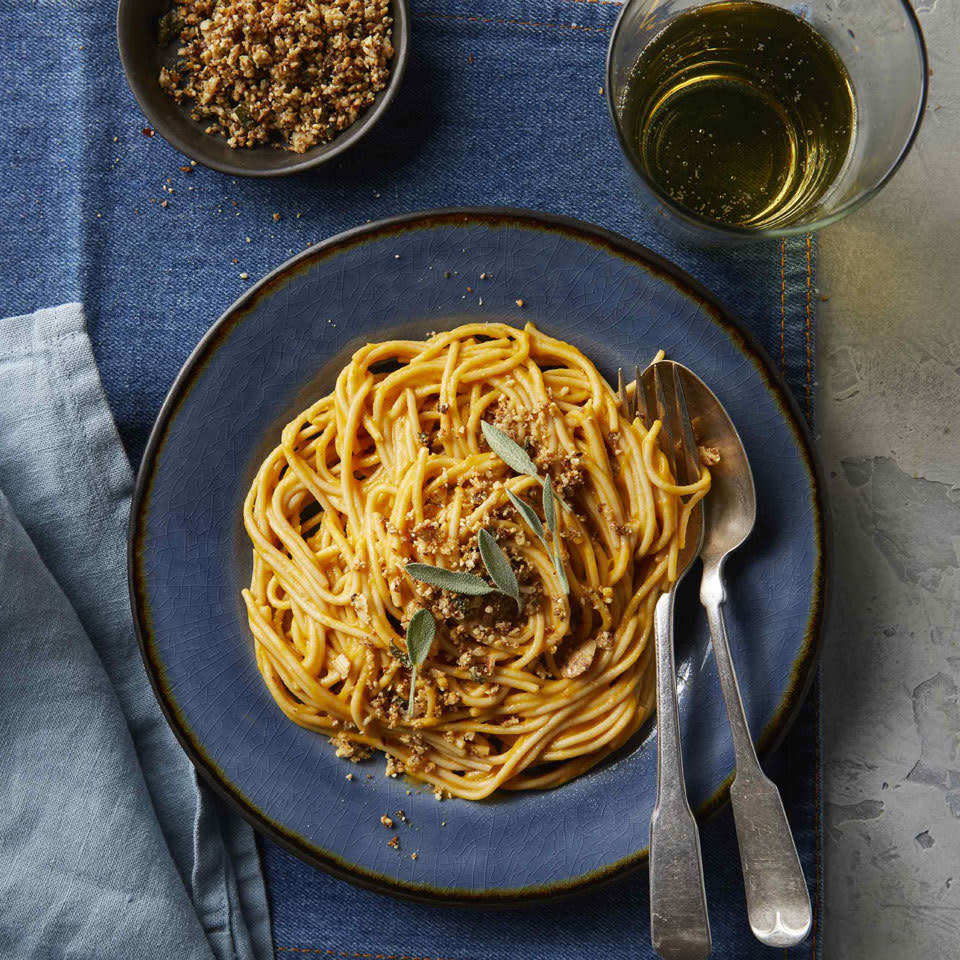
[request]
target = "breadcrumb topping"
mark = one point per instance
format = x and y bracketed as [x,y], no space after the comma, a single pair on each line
[292,73]
[350,749]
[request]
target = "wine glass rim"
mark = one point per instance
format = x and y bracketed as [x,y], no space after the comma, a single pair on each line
[811,226]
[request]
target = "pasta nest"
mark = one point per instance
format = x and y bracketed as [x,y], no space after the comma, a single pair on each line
[392,467]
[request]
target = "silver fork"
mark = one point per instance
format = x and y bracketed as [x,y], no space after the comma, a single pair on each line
[679,925]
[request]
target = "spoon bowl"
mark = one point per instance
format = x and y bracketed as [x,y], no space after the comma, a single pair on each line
[731,507]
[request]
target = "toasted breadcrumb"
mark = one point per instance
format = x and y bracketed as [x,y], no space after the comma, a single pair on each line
[346,747]
[291,73]
[394,767]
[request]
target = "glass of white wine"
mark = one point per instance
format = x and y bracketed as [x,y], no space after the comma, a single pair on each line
[747,119]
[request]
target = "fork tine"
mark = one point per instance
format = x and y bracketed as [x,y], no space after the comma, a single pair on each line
[669,447]
[640,397]
[629,406]
[688,460]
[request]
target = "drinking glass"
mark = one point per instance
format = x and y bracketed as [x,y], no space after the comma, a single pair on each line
[882,48]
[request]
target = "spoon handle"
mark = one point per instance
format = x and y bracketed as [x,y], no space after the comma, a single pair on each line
[778,904]
[679,926]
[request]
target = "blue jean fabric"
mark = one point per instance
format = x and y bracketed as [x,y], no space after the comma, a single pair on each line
[502,104]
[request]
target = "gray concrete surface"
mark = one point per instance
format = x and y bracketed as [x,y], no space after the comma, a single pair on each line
[889,425]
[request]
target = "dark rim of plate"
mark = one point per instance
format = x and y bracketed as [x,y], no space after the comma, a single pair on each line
[803,668]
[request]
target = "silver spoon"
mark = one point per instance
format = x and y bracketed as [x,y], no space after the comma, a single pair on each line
[778,904]
[679,924]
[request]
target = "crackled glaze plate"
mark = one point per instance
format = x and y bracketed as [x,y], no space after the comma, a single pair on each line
[279,347]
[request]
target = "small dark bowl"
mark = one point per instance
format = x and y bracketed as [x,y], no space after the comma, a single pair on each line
[142,57]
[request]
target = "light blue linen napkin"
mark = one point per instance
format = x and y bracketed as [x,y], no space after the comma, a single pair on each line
[110,846]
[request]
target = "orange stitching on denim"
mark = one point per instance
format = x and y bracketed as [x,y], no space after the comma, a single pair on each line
[783,306]
[809,373]
[809,312]
[361,956]
[509,23]
[603,3]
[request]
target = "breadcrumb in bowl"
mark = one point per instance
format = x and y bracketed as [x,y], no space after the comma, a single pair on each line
[327,73]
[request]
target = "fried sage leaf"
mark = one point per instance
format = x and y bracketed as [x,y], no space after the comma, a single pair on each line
[498,565]
[508,450]
[452,580]
[549,507]
[420,633]
[558,563]
[529,516]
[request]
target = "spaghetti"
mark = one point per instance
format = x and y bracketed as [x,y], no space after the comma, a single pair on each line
[392,467]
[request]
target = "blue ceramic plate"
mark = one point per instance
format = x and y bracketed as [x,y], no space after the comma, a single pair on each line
[279,347]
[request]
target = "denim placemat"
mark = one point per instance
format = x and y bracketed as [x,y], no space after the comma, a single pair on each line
[502,104]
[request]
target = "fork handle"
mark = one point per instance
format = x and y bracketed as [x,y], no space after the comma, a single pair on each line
[679,926]
[778,904]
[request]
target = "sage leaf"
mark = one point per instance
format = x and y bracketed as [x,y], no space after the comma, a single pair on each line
[498,566]
[420,633]
[529,516]
[508,450]
[550,513]
[452,580]
[399,656]
[549,507]
[558,563]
